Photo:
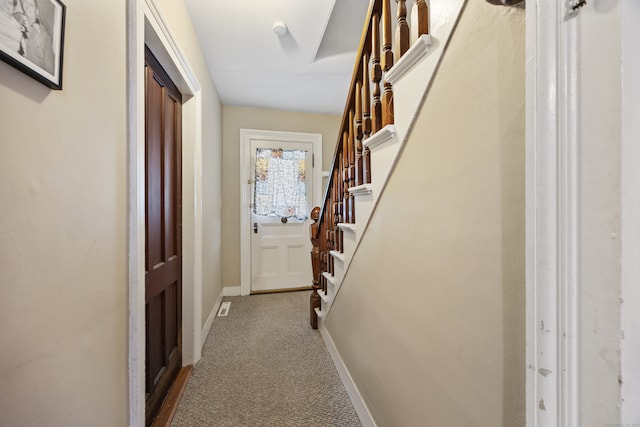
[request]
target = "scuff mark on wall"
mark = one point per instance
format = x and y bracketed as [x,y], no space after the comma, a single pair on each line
[544,372]
[541,405]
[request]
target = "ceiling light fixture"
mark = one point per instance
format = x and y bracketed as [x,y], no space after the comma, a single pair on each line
[280,28]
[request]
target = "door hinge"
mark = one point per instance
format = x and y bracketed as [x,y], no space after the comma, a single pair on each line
[313,160]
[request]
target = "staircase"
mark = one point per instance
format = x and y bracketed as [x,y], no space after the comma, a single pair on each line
[384,102]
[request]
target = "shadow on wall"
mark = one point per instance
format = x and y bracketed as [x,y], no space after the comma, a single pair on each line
[12,79]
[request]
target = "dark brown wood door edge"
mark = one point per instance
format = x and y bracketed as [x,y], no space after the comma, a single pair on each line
[170,403]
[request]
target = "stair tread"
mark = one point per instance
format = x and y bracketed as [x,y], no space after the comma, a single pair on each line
[384,135]
[345,226]
[331,279]
[418,50]
[361,190]
[337,255]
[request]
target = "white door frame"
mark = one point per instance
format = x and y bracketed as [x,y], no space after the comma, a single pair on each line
[630,215]
[551,216]
[147,24]
[246,135]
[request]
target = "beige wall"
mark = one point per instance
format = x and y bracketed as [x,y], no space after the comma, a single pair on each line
[236,118]
[430,318]
[63,310]
[63,234]
[180,22]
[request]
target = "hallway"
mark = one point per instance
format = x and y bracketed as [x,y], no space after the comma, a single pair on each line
[494,283]
[262,365]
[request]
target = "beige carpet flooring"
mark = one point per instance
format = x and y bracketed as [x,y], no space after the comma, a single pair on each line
[263,365]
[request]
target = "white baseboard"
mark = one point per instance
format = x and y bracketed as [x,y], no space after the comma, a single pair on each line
[231,291]
[356,399]
[212,315]
[228,291]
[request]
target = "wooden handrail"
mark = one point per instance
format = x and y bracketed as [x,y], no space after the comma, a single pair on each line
[368,109]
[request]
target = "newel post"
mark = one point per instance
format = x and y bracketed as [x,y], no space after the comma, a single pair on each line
[315,266]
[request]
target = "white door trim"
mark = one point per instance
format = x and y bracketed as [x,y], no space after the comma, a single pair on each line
[147,24]
[552,217]
[630,213]
[246,135]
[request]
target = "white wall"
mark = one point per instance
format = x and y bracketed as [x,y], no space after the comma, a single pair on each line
[430,318]
[63,309]
[180,22]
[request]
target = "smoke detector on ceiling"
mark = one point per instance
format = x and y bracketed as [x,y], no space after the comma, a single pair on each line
[280,28]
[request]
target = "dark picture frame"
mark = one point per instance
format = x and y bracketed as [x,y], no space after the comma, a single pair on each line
[32,38]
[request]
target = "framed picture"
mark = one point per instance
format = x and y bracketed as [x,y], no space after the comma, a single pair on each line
[32,38]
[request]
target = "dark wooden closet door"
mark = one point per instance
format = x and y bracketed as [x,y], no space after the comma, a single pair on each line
[163,260]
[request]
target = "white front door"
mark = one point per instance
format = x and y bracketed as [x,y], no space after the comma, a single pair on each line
[280,202]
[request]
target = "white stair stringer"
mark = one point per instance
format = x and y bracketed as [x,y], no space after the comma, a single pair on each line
[411,77]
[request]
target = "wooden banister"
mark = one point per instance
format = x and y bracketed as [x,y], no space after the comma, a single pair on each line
[367,110]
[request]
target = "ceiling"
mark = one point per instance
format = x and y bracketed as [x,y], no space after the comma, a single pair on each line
[308,69]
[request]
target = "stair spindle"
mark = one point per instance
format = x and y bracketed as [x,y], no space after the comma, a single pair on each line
[343,206]
[359,134]
[314,301]
[420,19]
[352,165]
[387,43]
[376,73]
[366,119]
[402,29]
[387,63]
[345,174]
[323,248]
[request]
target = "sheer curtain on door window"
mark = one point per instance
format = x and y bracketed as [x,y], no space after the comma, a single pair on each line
[280,183]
